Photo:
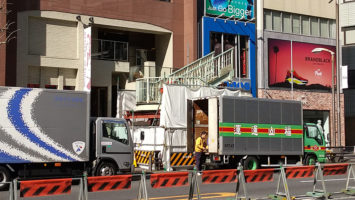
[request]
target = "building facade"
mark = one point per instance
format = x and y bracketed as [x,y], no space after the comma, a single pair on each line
[129,40]
[289,67]
[347,41]
[230,24]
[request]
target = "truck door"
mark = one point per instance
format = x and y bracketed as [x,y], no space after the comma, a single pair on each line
[114,142]
[190,128]
[314,142]
[213,125]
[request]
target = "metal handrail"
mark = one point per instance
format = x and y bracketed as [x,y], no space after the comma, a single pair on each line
[198,73]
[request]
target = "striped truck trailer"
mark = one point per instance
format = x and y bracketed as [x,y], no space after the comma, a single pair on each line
[253,131]
[50,133]
[43,126]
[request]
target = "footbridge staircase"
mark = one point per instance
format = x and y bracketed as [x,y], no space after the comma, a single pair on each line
[209,70]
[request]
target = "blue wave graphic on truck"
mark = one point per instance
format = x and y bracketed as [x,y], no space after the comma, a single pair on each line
[16,118]
[22,139]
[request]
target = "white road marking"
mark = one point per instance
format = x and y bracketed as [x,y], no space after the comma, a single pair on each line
[328,180]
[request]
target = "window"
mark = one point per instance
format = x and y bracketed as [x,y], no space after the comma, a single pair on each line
[349,36]
[305,25]
[296,24]
[276,21]
[314,26]
[268,20]
[115,131]
[351,79]
[332,30]
[286,23]
[299,24]
[314,133]
[324,28]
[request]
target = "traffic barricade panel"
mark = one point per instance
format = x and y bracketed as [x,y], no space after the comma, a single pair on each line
[142,157]
[35,188]
[109,183]
[300,172]
[335,169]
[176,179]
[181,159]
[259,175]
[219,176]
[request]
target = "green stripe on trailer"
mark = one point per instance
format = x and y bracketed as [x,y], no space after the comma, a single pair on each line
[260,130]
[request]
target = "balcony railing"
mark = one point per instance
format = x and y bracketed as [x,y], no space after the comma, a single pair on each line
[109,50]
[149,89]
[202,72]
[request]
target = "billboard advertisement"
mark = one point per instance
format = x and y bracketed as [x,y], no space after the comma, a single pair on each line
[236,8]
[294,62]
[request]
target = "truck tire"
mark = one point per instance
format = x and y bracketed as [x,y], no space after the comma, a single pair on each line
[251,163]
[310,160]
[106,169]
[4,177]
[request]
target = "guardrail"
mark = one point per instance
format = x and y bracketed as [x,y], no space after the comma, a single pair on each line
[240,177]
[149,90]
[10,186]
[201,72]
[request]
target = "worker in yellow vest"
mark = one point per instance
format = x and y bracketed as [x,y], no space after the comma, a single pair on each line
[200,149]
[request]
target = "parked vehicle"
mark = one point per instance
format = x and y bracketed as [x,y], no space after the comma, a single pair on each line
[258,132]
[50,133]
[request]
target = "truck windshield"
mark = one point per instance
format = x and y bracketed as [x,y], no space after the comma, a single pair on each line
[116,131]
[314,133]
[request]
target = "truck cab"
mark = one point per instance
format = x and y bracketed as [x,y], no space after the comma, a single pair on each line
[314,144]
[113,146]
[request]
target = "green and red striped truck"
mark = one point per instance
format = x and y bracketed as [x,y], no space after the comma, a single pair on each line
[256,132]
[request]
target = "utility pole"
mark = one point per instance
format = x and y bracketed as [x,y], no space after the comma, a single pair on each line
[338,72]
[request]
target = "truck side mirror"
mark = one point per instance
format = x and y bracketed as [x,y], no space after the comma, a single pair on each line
[142,135]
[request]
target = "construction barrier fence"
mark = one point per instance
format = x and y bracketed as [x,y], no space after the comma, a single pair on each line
[10,187]
[49,187]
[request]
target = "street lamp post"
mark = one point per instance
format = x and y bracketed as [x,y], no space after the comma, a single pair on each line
[318,50]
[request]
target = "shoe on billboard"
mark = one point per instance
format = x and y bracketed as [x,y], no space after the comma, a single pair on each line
[297,79]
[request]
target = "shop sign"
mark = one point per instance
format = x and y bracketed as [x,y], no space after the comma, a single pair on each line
[236,8]
[242,84]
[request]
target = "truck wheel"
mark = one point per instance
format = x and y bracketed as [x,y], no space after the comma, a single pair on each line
[106,169]
[4,177]
[251,163]
[310,160]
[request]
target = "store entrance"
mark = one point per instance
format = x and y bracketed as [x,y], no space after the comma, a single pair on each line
[321,118]
[220,42]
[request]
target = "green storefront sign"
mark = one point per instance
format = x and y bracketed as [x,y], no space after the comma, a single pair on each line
[238,8]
